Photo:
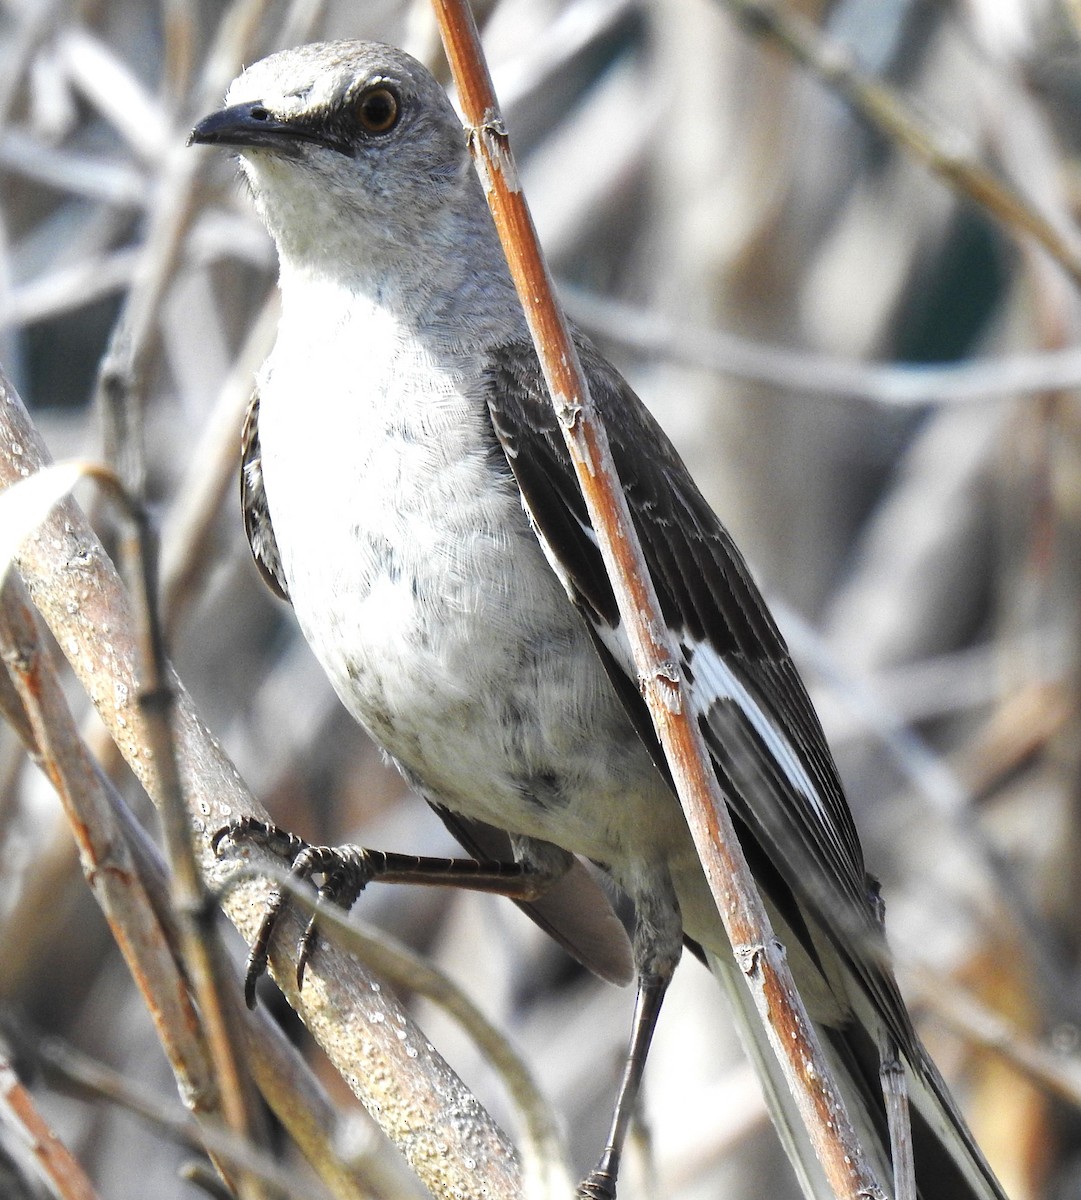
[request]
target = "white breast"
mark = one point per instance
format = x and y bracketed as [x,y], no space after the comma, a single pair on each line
[424,593]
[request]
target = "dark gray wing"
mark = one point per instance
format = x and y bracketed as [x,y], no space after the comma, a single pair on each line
[253,504]
[763,734]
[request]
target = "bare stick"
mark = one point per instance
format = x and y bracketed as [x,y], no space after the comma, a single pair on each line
[110,871]
[805,372]
[54,1158]
[757,950]
[77,1074]
[202,952]
[887,111]
[891,1074]
[212,472]
[119,387]
[969,1019]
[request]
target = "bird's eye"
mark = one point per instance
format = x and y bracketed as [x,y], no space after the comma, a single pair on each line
[378,109]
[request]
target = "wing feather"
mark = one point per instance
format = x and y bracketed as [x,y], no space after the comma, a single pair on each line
[257,525]
[760,726]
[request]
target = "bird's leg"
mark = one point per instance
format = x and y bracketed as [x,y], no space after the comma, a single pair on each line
[348,869]
[600,1183]
[658,943]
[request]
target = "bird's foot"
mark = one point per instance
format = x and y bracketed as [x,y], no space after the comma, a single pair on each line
[346,870]
[599,1184]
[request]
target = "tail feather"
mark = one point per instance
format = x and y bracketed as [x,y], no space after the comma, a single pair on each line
[949,1164]
[946,1151]
[782,1106]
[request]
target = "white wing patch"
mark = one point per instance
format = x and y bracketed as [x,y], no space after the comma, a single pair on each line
[715,680]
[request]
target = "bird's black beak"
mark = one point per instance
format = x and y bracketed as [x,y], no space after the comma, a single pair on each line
[250,124]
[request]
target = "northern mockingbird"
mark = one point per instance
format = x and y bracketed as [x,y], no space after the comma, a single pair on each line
[406,487]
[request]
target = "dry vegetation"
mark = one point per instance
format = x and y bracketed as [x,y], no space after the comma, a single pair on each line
[772,265]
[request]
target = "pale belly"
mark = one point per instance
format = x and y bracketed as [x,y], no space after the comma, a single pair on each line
[428,601]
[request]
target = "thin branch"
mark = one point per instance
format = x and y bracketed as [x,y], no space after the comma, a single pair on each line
[110,871]
[974,1022]
[56,1161]
[93,176]
[119,386]
[759,954]
[78,1074]
[212,472]
[35,23]
[125,871]
[110,86]
[806,373]
[940,148]
[202,952]
[180,32]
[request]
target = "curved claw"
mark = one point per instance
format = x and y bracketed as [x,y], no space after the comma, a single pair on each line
[251,980]
[305,948]
[345,869]
[308,861]
[260,947]
[249,828]
[344,880]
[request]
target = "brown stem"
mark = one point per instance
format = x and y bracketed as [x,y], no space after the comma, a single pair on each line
[760,954]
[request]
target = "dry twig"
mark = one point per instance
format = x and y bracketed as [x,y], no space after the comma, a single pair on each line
[55,1160]
[939,148]
[757,950]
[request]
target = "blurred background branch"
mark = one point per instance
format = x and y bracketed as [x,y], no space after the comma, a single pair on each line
[873,379]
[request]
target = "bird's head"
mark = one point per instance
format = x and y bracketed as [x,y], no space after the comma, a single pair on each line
[352,149]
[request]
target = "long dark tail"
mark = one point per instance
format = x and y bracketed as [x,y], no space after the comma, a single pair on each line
[949,1164]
